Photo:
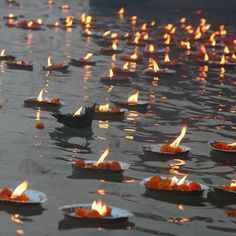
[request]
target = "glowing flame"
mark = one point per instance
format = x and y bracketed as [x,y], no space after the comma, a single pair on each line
[145,36]
[11,15]
[121,12]
[104,108]
[178,140]
[223,60]
[20,189]
[78,112]
[226,50]
[206,57]
[185,44]
[111,74]
[134,56]
[133,19]
[114,36]
[133,98]
[153,23]
[39,21]
[203,49]
[144,27]
[232,144]
[102,157]
[88,32]
[151,48]
[126,66]
[167,58]
[100,207]
[56,24]
[167,39]
[69,21]
[40,97]
[114,46]
[153,64]
[223,31]
[49,61]
[83,18]
[176,181]
[30,24]
[89,55]
[16,219]
[233,183]
[3,52]
[182,20]
[106,33]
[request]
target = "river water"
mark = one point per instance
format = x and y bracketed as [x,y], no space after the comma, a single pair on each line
[43,157]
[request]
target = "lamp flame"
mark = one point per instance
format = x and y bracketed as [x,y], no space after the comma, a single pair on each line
[49,61]
[223,60]
[40,97]
[20,189]
[178,140]
[89,55]
[3,52]
[126,66]
[78,112]
[102,157]
[167,58]
[114,46]
[100,207]
[104,108]
[153,64]
[133,98]
[176,181]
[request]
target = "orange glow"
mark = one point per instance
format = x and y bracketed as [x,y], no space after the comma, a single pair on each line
[11,15]
[153,23]
[176,181]
[105,34]
[137,38]
[83,18]
[39,21]
[88,32]
[104,108]
[126,66]
[145,36]
[114,46]
[182,20]
[153,64]
[232,144]
[223,60]
[29,24]
[206,57]
[167,58]
[133,98]
[151,48]
[133,20]
[167,39]
[203,49]
[114,36]
[177,141]
[121,12]
[16,219]
[56,24]
[223,31]
[111,74]
[3,52]
[88,56]
[226,50]
[185,44]
[78,112]
[144,27]
[100,207]
[65,7]
[20,189]
[233,182]
[69,21]
[40,97]
[197,34]
[102,157]
[134,56]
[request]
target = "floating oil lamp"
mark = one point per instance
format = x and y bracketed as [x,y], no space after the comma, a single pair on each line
[136,41]
[150,51]
[161,184]
[10,16]
[132,58]
[222,63]
[21,195]
[133,103]
[115,79]
[105,112]
[42,102]
[78,119]
[68,22]
[111,50]
[101,165]
[20,65]
[89,33]
[154,70]
[229,189]
[98,211]
[185,44]
[121,13]
[223,146]
[169,149]
[4,57]
[124,70]
[55,67]
[84,61]
[32,25]
[171,63]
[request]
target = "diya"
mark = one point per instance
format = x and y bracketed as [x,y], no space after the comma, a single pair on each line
[85,61]
[21,195]
[78,119]
[132,58]
[105,112]
[169,149]
[42,102]
[110,50]
[115,79]
[223,146]
[133,103]
[55,67]
[171,63]
[150,51]
[10,16]
[124,70]
[32,25]
[97,211]
[101,166]
[227,189]
[174,186]
[4,57]
[154,70]
[19,65]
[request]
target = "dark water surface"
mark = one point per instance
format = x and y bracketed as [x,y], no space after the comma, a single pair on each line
[42,156]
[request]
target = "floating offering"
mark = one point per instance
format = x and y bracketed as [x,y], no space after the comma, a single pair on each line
[85,61]
[10,16]
[105,112]
[132,58]
[150,51]
[223,146]
[111,50]
[4,57]
[32,25]
[181,186]
[42,102]
[124,70]
[55,67]
[229,189]
[132,102]
[114,79]
[154,70]
[101,165]
[78,119]
[21,195]
[174,147]
[20,65]
[97,211]
[174,63]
